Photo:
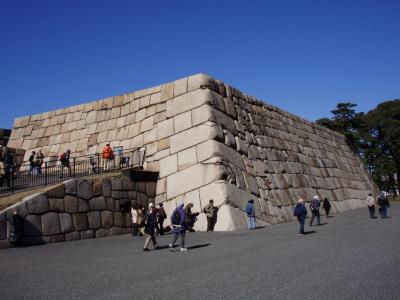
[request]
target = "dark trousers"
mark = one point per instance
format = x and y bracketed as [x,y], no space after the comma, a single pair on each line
[315,213]
[371,211]
[210,224]
[161,226]
[384,211]
[327,212]
[181,233]
[301,220]
[135,229]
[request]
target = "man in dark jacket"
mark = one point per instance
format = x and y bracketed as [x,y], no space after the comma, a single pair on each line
[190,217]
[31,163]
[251,215]
[150,226]
[383,202]
[300,211]
[17,229]
[327,206]
[178,226]
[314,206]
[161,216]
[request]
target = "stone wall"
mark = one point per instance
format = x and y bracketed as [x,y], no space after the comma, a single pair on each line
[209,140]
[78,209]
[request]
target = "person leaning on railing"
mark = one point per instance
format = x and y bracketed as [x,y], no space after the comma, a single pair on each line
[108,156]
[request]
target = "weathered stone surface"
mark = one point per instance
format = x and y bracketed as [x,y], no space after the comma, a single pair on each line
[98,203]
[85,189]
[71,204]
[182,121]
[107,220]
[187,158]
[116,184]
[32,226]
[165,129]
[87,234]
[50,224]
[199,174]
[72,236]
[187,102]
[119,219]
[56,204]
[56,192]
[80,221]
[37,203]
[83,205]
[116,231]
[94,219]
[66,223]
[97,187]
[102,232]
[106,187]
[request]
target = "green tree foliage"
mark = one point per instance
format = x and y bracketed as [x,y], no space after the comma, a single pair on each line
[375,136]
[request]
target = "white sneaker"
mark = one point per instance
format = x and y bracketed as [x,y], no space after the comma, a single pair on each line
[183,249]
[171,246]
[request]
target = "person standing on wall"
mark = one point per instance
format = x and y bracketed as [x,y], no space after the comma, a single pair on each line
[371,206]
[314,206]
[38,162]
[32,163]
[64,159]
[300,212]
[251,215]
[108,157]
[209,210]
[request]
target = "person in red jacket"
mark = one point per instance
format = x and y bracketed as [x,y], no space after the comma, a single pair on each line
[108,156]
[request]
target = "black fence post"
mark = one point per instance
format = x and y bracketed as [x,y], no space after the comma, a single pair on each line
[45,173]
[74,161]
[12,180]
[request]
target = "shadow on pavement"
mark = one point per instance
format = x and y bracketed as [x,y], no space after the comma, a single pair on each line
[198,246]
[309,232]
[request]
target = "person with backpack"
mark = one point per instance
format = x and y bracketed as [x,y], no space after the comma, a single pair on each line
[209,210]
[190,217]
[251,215]
[108,157]
[31,163]
[314,206]
[327,206]
[64,159]
[300,212]
[384,205]
[178,227]
[371,206]
[161,216]
[150,226]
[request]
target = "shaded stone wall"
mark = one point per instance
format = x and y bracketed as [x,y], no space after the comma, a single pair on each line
[209,140]
[78,209]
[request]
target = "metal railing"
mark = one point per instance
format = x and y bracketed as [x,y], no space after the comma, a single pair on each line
[53,170]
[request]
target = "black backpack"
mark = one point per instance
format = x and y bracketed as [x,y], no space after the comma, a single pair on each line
[176,218]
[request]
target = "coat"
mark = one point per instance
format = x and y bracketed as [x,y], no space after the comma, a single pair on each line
[150,222]
[209,210]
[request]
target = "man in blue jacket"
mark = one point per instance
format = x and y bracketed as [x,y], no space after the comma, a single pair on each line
[178,226]
[251,215]
[300,211]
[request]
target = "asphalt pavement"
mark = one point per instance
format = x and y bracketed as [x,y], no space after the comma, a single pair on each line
[350,257]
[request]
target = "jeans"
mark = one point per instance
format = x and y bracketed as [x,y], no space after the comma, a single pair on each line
[315,213]
[181,233]
[150,237]
[384,211]
[251,222]
[210,224]
[301,220]
[371,211]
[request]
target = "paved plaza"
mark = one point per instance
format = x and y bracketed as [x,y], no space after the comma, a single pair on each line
[351,257]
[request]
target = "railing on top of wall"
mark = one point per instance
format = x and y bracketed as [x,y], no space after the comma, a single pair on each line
[53,171]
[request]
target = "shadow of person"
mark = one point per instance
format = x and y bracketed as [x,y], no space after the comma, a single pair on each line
[259,227]
[309,232]
[321,224]
[198,246]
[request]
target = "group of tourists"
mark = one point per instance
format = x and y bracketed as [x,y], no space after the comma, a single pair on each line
[35,163]
[182,220]
[7,167]
[382,203]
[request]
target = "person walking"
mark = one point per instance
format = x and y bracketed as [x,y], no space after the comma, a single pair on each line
[140,219]
[371,206]
[161,216]
[314,206]
[327,206]
[134,216]
[108,157]
[190,217]
[251,215]
[150,226]
[209,210]
[384,204]
[32,163]
[300,212]
[178,227]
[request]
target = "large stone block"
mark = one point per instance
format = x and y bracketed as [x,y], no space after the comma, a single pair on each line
[182,121]
[168,165]
[194,136]
[87,234]
[187,158]
[32,226]
[119,219]
[107,220]
[56,204]
[200,80]
[80,221]
[72,236]
[37,203]
[94,219]
[66,223]
[211,148]
[50,224]
[180,87]
[165,129]
[98,203]
[71,204]
[230,218]
[83,205]
[188,102]
[56,192]
[102,232]
[200,175]
[85,189]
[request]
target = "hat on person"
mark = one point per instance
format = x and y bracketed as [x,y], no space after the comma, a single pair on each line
[151,205]
[316,197]
[301,200]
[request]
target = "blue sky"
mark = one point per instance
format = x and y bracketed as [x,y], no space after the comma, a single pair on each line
[302,56]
